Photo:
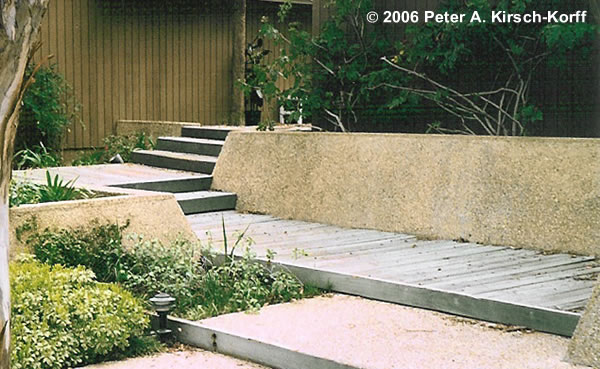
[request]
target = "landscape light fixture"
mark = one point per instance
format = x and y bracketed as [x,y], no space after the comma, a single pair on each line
[162,304]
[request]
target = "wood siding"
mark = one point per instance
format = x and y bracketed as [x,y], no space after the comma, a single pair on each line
[137,60]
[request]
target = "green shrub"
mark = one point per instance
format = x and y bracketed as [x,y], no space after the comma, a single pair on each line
[62,318]
[90,158]
[97,247]
[49,108]
[177,269]
[56,189]
[183,269]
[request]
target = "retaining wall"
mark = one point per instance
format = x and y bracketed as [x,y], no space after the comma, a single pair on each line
[540,193]
[155,216]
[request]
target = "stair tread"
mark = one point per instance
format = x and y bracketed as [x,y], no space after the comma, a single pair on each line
[178,155]
[211,128]
[201,195]
[201,141]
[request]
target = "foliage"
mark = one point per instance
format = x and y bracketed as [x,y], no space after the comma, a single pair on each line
[499,61]
[124,145]
[91,158]
[58,190]
[478,74]
[49,108]
[38,157]
[62,318]
[113,145]
[345,64]
[177,269]
[240,284]
[55,189]
[97,247]
[187,271]
[22,192]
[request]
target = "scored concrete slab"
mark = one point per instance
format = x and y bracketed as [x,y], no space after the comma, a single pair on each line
[194,359]
[369,334]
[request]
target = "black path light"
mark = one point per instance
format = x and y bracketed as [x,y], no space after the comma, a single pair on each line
[162,303]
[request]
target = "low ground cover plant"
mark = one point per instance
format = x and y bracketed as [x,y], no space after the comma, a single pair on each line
[62,317]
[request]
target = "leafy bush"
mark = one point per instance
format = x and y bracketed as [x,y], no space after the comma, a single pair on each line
[49,108]
[55,189]
[177,269]
[500,62]
[97,247]
[183,269]
[90,158]
[62,318]
[338,86]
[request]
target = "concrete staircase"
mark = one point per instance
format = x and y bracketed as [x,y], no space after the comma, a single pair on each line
[196,151]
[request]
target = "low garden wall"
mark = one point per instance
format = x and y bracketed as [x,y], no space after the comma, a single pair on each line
[540,193]
[154,129]
[156,216]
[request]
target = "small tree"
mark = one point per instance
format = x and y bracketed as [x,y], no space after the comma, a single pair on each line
[501,58]
[330,73]
[19,24]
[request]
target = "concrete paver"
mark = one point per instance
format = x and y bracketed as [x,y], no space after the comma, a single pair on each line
[376,335]
[196,359]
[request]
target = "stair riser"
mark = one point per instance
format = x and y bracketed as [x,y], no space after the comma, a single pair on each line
[206,205]
[173,186]
[188,147]
[212,134]
[173,163]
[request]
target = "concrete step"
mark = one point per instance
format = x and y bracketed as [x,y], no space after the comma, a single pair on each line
[205,201]
[175,160]
[187,184]
[211,133]
[199,146]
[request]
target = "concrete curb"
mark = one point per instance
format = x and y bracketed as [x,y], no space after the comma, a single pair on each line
[194,334]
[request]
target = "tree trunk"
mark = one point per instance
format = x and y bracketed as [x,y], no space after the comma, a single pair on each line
[239,62]
[19,26]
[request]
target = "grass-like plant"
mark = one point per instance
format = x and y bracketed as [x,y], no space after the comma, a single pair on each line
[38,157]
[55,189]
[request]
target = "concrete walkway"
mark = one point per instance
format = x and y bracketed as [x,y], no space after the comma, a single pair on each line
[361,333]
[196,359]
